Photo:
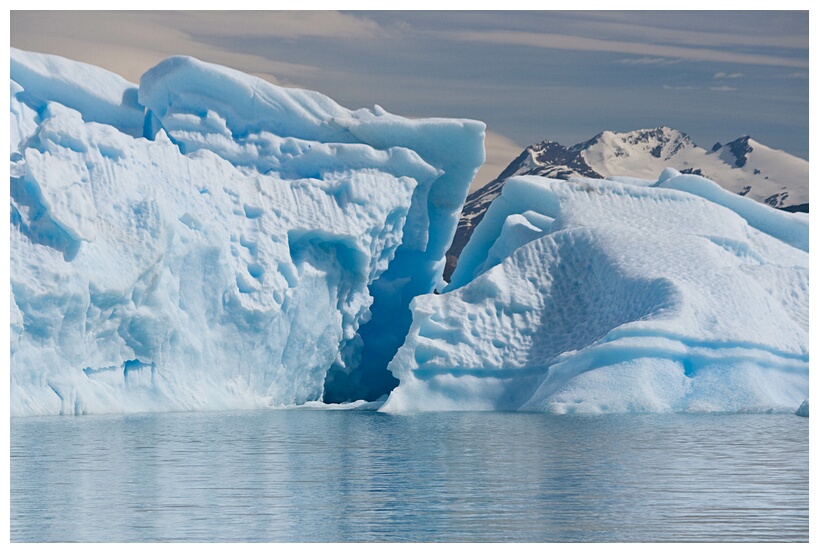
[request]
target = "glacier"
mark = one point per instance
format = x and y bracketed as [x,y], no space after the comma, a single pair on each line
[616,295]
[207,240]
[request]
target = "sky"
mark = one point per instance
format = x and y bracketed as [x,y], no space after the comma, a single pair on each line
[530,76]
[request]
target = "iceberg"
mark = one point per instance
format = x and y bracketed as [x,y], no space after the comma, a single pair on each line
[594,296]
[804,409]
[207,240]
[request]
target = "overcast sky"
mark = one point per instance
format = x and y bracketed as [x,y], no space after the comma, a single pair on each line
[530,76]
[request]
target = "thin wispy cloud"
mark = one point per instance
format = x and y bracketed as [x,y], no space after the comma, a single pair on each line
[797,75]
[134,42]
[281,24]
[722,75]
[723,88]
[682,87]
[649,61]
[655,34]
[579,43]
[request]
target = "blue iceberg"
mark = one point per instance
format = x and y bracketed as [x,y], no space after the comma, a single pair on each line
[207,240]
[594,296]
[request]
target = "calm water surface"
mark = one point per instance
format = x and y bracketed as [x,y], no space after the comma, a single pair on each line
[365,476]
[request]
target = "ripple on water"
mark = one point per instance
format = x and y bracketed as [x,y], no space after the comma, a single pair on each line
[334,476]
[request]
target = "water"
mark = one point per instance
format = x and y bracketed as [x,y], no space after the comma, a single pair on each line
[365,476]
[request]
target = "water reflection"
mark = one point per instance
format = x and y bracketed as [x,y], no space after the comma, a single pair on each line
[364,476]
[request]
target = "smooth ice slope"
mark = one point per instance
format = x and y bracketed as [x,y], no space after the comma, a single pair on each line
[149,273]
[604,296]
[101,96]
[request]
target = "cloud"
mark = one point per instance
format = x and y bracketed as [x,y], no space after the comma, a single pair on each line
[684,87]
[130,43]
[723,75]
[723,88]
[781,36]
[648,61]
[579,43]
[280,24]
[418,63]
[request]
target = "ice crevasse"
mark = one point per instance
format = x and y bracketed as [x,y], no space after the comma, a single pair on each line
[207,240]
[618,295]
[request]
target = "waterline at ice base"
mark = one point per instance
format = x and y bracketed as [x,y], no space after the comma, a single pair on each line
[206,240]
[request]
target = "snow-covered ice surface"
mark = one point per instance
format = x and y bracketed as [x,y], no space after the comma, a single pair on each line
[209,241]
[616,295]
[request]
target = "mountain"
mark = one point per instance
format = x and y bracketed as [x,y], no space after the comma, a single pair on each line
[743,166]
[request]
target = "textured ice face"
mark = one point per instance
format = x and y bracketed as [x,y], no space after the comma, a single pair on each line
[244,120]
[208,265]
[603,296]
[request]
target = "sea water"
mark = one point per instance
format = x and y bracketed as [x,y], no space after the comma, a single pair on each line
[338,476]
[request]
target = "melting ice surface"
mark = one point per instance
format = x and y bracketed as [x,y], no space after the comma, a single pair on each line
[616,296]
[209,241]
[206,240]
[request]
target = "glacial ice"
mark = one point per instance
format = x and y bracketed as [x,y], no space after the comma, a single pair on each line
[616,295]
[101,96]
[210,241]
[207,240]
[303,134]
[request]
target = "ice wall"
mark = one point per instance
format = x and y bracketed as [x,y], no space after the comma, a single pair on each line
[603,296]
[295,133]
[228,258]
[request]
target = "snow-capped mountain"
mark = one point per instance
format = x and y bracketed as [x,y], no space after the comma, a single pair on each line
[743,166]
